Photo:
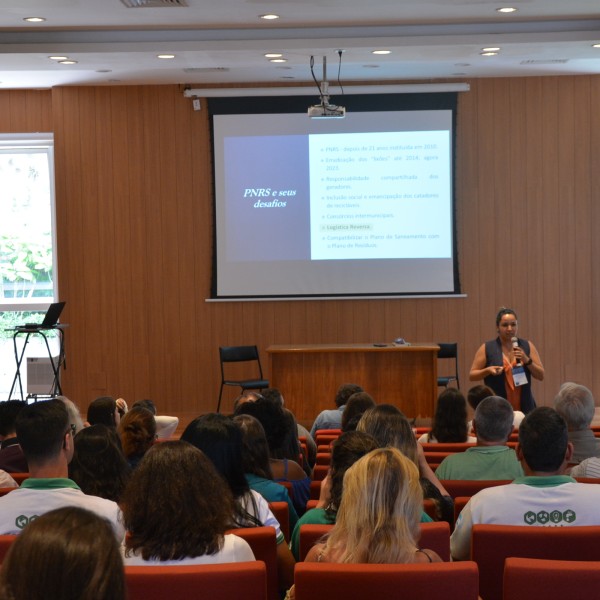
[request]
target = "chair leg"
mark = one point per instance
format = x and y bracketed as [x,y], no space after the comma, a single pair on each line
[219,402]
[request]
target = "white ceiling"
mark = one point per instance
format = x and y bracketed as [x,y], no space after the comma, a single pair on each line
[224,41]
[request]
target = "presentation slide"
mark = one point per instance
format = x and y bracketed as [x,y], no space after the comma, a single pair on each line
[355,206]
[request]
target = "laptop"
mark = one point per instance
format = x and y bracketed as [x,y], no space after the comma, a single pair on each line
[50,319]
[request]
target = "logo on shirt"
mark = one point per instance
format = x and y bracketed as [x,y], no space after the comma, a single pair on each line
[22,520]
[544,518]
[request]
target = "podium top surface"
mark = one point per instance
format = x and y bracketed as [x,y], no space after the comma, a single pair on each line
[362,347]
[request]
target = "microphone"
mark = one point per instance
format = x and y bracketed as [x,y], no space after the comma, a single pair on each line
[515,344]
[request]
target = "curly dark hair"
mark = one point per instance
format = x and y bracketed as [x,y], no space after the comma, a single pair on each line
[98,466]
[175,505]
[138,431]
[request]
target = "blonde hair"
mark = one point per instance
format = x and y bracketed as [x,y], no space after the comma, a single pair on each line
[378,518]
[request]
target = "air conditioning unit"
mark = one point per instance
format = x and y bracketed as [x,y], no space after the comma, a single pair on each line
[40,376]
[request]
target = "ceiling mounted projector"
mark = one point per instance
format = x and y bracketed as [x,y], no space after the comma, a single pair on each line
[325,110]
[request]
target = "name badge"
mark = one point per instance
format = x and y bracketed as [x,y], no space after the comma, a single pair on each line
[519,376]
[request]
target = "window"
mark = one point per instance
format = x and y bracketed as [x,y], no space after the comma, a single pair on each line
[27,243]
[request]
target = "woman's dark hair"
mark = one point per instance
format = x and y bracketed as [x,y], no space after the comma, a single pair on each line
[346,450]
[138,431]
[450,419]
[98,466]
[147,404]
[502,312]
[66,554]
[355,407]
[102,411]
[175,505]
[478,393]
[221,440]
[255,455]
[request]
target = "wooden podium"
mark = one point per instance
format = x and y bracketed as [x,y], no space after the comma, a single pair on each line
[309,375]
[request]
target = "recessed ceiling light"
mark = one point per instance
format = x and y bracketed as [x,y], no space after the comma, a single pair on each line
[506,9]
[278,60]
[273,55]
[67,62]
[381,52]
[595,45]
[269,17]
[103,70]
[34,19]
[491,49]
[58,57]
[488,53]
[165,56]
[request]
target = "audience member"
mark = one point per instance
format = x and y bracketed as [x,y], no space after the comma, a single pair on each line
[274,395]
[491,458]
[165,426]
[346,450]
[176,510]
[138,432]
[257,467]
[284,450]
[98,466]
[75,419]
[356,406]
[390,427]
[545,496]
[12,459]
[66,554]
[575,404]
[477,393]
[221,440]
[106,411]
[45,435]
[450,420]
[378,518]
[246,396]
[332,419]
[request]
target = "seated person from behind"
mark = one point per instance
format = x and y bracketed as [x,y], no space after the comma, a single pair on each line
[45,435]
[184,519]
[491,458]
[378,518]
[477,394]
[356,407]
[346,450]
[12,459]
[64,554]
[256,465]
[449,421]
[284,449]
[165,425]
[545,496]
[332,418]
[575,404]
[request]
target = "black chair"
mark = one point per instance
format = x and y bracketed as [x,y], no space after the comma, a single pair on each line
[236,354]
[448,351]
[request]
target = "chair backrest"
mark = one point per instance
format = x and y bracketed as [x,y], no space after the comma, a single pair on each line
[538,579]
[281,511]
[438,581]
[448,350]
[4,491]
[435,536]
[459,503]
[315,489]
[238,353]
[264,545]
[492,544]
[5,543]
[323,458]
[320,472]
[469,487]
[246,580]
[19,477]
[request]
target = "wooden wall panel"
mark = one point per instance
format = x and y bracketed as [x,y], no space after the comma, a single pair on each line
[135,217]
